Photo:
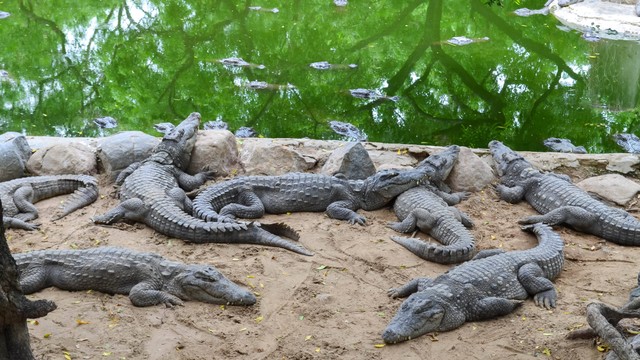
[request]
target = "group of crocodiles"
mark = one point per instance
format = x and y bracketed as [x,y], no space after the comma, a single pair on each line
[487,284]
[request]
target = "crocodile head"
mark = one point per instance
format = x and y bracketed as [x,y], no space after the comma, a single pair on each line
[380,188]
[421,313]
[205,283]
[508,162]
[439,166]
[176,145]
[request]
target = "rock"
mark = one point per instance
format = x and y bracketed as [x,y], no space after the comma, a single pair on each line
[64,158]
[118,151]
[613,187]
[14,154]
[215,150]
[351,160]
[470,172]
[623,163]
[265,158]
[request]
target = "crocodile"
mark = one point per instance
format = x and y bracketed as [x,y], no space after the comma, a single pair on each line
[148,279]
[563,146]
[492,284]
[19,195]
[559,200]
[153,192]
[629,142]
[427,208]
[252,196]
[565,3]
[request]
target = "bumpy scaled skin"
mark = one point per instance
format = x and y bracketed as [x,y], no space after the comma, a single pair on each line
[153,192]
[148,279]
[563,146]
[490,285]
[251,196]
[560,201]
[427,208]
[19,195]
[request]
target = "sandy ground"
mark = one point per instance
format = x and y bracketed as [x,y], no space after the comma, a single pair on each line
[329,306]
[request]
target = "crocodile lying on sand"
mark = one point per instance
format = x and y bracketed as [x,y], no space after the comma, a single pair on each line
[153,192]
[427,208]
[559,200]
[19,195]
[251,196]
[148,279]
[491,285]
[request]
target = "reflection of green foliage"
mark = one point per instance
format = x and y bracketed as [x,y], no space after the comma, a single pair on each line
[149,61]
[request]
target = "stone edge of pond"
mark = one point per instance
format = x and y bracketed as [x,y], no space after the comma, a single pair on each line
[314,153]
[604,19]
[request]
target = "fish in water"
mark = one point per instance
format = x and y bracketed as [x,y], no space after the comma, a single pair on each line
[348,130]
[4,14]
[215,125]
[5,76]
[463,40]
[245,132]
[106,122]
[164,127]
[260,8]
[262,85]
[524,12]
[325,65]
[340,2]
[371,94]
[239,62]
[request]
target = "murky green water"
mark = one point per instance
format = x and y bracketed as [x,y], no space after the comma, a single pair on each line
[146,61]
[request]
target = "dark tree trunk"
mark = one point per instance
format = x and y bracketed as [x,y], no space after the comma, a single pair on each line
[15,308]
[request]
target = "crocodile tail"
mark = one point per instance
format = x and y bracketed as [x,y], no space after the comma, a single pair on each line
[449,254]
[281,229]
[269,239]
[81,197]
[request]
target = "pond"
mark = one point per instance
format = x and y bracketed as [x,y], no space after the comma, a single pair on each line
[142,62]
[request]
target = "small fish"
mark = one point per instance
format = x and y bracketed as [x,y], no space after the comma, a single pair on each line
[325,65]
[216,125]
[371,94]
[262,85]
[340,2]
[106,122]
[235,61]
[164,127]
[4,14]
[348,130]
[260,8]
[524,12]
[245,132]
[463,40]
[5,76]
[591,36]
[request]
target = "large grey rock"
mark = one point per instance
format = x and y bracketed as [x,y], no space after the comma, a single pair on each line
[470,172]
[613,187]
[266,158]
[215,150]
[351,160]
[14,154]
[118,151]
[65,158]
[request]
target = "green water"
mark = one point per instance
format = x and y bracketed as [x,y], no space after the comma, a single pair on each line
[145,61]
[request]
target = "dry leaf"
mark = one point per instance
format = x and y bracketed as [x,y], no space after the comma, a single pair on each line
[378,346]
[259,319]
[81,322]
[47,335]
[546,351]
[307,338]
[34,322]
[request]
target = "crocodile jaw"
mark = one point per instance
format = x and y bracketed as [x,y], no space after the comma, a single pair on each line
[177,145]
[419,314]
[207,284]
[439,165]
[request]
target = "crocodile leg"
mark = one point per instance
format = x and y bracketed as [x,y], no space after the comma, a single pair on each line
[130,209]
[452,198]
[23,198]
[409,288]
[487,253]
[126,172]
[33,278]
[343,210]
[462,217]
[492,307]
[182,200]
[575,216]
[192,182]
[532,279]
[407,225]
[248,206]
[510,194]
[11,222]
[144,294]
